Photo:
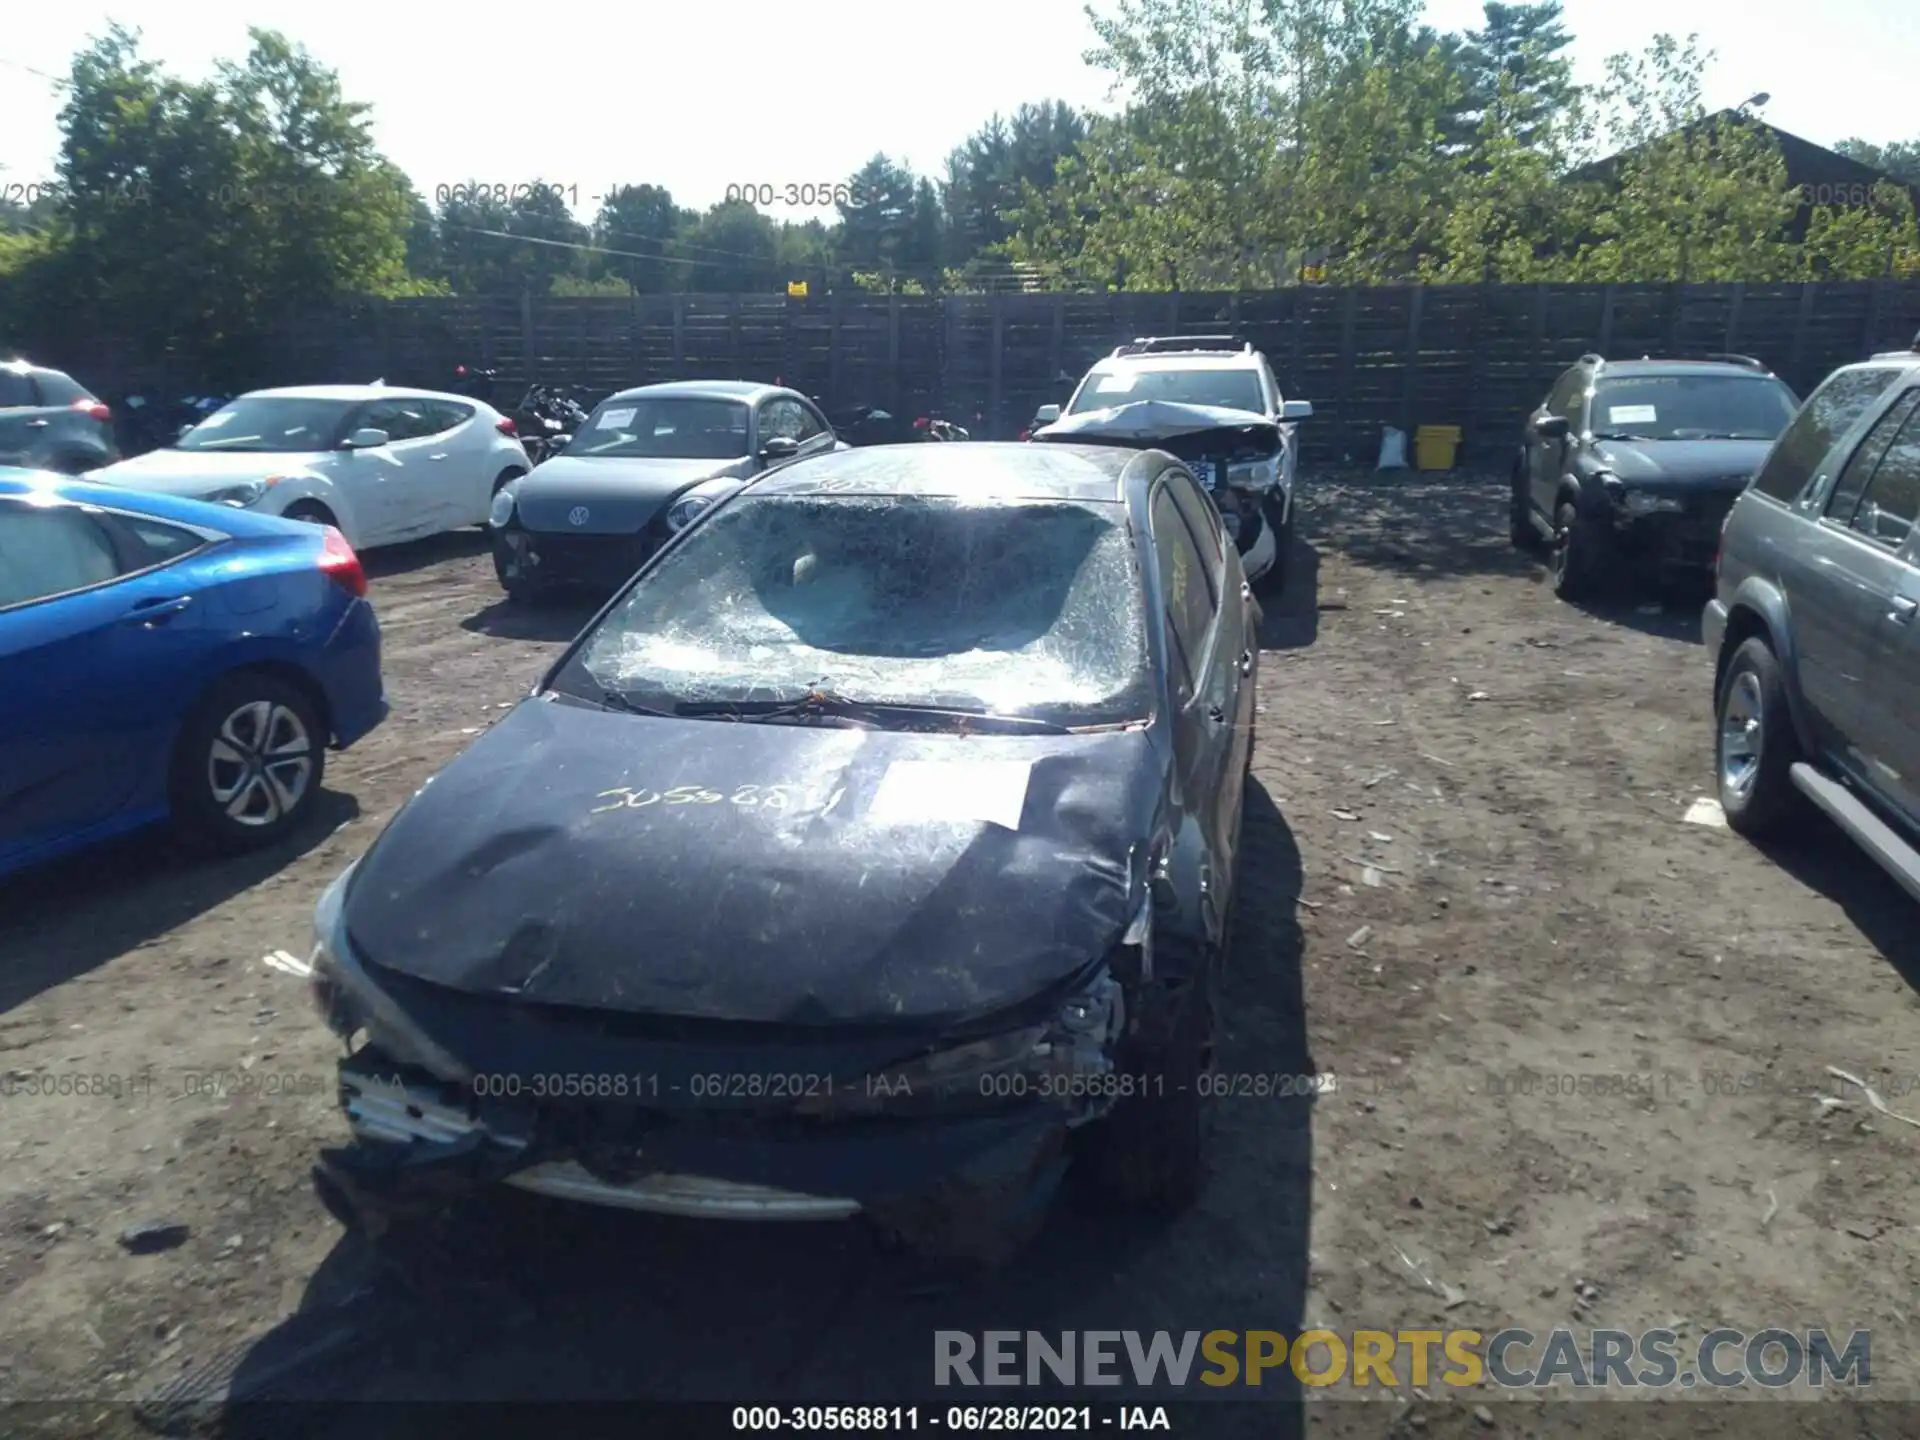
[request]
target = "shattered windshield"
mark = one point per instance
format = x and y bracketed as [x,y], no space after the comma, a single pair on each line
[1000,605]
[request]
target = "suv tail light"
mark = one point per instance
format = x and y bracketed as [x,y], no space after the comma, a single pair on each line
[506,426]
[94,409]
[339,564]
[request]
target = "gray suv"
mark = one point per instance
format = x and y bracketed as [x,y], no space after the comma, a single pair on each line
[1813,625]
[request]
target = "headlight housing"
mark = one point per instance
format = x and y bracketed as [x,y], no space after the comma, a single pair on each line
[241,495]
[1053,1060]
[684,511]
[500,513]
[1255,474]
[1647,502]
[349,1002]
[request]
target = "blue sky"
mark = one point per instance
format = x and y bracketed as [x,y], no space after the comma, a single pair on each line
[753,91]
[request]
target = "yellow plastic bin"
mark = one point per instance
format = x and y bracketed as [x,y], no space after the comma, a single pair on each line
[1434,446]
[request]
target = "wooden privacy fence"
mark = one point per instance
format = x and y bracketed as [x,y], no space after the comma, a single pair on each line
[1476,356]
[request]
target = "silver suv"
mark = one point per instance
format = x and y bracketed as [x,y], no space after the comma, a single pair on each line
[1813,625]
[1217,372]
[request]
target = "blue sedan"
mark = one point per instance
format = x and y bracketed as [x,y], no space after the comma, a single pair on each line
[163,659]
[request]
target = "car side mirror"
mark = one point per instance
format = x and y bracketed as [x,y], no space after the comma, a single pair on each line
[1296,410]
[183,430]
[1046,415]
[557,443]
[1552,427]
[779,447]
[366,438]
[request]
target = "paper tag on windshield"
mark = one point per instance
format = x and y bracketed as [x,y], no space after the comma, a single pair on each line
[1117,384]
[919,792]
[1632,415]
[615,419]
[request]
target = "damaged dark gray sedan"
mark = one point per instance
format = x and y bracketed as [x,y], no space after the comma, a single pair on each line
[870,853]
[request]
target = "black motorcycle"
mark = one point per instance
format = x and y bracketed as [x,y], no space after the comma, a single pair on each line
[143,424]
[547,418]
[860,425]
[475,383]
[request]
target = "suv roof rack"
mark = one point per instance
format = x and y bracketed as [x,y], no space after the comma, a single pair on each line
[1179,344]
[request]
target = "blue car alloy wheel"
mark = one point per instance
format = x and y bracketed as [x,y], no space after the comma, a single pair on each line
[248,763]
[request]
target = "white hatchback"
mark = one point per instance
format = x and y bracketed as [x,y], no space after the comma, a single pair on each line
[380,464]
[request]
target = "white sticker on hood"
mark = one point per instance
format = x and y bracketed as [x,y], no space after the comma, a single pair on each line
[1118,383]
[615,419]
[916,792]
[1632,415]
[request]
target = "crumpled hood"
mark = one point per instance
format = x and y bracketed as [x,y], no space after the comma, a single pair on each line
[1188,432]
[619,496]
[1711,464]
[524,871]
[191,472]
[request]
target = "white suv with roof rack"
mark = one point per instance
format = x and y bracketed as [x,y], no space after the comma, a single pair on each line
[1219,373]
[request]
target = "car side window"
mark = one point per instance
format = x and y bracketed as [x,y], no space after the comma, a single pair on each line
[1866,458]
[16,389]
[1202,518]
[1564,398]
[401,419]
[784,419]
[1891,504]
[57,389]
[446,415]
[1828,414]
[49,551]
[811,422]
[151,542]
[1187,587]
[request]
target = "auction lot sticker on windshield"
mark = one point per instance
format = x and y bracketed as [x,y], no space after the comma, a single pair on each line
[1116,384]
[916,792]
[615,419]
[1632,415]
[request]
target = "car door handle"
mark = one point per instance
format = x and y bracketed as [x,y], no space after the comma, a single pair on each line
[1903,610]
[38,424]
[157,612]
[1217,715]
[1246,662]
[441,456]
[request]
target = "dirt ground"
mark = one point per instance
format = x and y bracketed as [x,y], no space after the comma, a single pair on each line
[1466,856]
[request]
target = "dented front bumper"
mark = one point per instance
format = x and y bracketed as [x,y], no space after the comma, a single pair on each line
[991,1143]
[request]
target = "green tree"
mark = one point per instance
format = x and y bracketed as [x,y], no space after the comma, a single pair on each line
[528,240]
[892,224]
[1691,197]
[732,249]
[196,215]
[1900,159]
[1864,242]
[642,220]
[1515,66]
[987,173]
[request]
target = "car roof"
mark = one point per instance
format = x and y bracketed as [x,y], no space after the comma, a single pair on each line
[17,483]
[27,367]
[1180,360]
[1084,473]
[741,390]
[354,392]
[1630,369]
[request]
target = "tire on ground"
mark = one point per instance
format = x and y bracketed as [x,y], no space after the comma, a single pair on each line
[248,762]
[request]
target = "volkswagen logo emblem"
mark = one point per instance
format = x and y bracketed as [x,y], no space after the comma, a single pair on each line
[577,515]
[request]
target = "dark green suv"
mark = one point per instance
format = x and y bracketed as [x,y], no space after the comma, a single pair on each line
[1813,625]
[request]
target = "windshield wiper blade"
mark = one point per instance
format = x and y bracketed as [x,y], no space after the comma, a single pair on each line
[827,705]
[614,700]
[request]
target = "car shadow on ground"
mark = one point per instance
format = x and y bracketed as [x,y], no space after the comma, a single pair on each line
[391,560]
[1672,614]
[1422,524]
[559,617]
[1823,857]
[558,1301]
[1291,619]
[131,891]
